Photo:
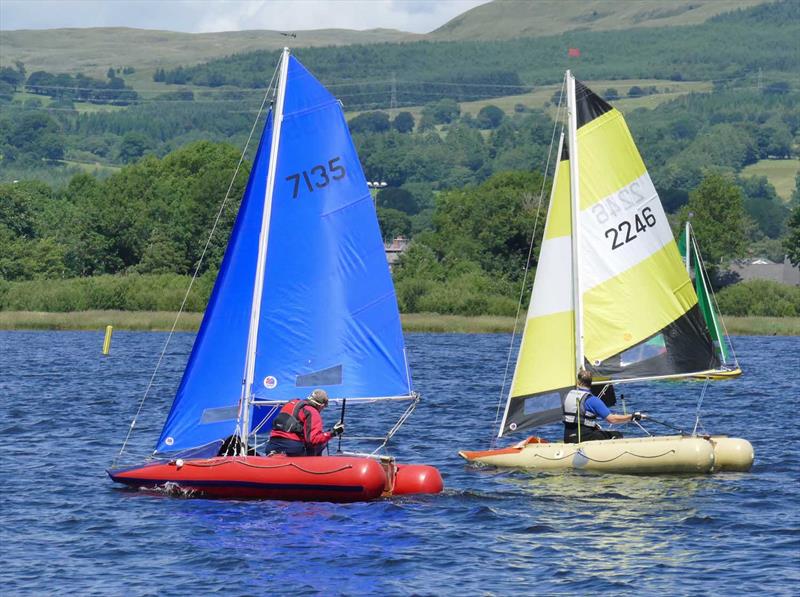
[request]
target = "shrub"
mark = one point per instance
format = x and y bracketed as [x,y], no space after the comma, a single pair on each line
[163,292]
[760,298]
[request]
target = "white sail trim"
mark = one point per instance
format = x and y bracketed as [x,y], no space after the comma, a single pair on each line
[603,226]
[552,288]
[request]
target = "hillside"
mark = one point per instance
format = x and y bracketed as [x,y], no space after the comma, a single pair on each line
[93,50]
[506,19]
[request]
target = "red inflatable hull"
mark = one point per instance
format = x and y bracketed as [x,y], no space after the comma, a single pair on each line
[311,478]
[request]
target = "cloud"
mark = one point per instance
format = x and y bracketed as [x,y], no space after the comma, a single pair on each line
[202,16]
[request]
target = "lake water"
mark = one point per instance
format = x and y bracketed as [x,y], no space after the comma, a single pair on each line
[67,529]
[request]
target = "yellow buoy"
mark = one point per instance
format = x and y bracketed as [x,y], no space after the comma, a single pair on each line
[107,341]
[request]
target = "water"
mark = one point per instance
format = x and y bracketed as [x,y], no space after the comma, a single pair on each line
[67,529]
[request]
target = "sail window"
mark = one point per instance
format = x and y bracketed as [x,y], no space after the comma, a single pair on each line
[651,348]
[542,402]
[223,413]
[332,376]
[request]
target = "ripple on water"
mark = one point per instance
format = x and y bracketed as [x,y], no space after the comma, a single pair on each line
[495,532]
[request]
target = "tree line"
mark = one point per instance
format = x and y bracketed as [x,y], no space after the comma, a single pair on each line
[131,241]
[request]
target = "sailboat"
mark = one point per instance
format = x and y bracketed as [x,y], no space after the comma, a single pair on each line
[611,295]
[729,364]
[303,300]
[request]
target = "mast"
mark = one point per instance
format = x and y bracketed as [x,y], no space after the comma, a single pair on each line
[263,243]
[687,247]
[577,299]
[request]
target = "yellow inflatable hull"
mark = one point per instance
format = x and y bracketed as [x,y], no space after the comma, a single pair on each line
[649,455]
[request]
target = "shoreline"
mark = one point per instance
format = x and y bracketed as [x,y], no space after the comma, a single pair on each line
[162,321]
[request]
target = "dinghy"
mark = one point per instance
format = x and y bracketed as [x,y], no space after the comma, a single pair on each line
[303,300]
[729,364]
[610,295]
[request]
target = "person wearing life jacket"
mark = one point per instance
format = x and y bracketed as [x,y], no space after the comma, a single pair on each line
[297,429]
[583,412]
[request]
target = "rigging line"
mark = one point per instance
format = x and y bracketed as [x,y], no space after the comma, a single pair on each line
[716,304]
[194,276]
[528,261]
[399,423]
[699,405]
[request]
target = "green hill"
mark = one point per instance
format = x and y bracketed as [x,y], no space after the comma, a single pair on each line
[505,19]
[93,50]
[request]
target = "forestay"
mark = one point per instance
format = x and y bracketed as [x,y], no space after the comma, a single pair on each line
[328,316]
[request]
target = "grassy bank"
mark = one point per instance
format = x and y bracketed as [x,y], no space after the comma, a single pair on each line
[412,322]
[763,326]
[98,320]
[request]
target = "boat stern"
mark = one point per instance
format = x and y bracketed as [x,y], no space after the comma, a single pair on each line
[732,453]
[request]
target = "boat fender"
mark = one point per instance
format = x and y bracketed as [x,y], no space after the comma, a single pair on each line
[288,422]
[417,478]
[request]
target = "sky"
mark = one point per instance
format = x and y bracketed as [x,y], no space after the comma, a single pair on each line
[203,16]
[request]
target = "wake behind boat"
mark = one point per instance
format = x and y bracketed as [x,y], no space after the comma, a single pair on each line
[303,300]
[610,295]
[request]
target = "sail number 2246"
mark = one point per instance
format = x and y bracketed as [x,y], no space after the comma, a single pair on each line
[626,230]
[318,177]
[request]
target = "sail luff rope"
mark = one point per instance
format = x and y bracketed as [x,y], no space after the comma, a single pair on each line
[196,271]
[559,110]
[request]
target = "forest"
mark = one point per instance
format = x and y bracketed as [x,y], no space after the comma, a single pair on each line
[464,187]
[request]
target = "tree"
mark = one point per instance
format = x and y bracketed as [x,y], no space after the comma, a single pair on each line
[39,136]
[490,117]
[11,76]
[404,122]
[398,199]
[716,208]
[444,111]
[764,206]
[393,223]
[611,94]
[490,224]
[792,243]
[370,122]
[133,146]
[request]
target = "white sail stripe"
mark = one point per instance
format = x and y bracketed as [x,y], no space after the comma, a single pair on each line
[621,231]
[552,287]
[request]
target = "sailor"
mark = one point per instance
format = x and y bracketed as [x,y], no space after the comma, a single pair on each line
[298,431]
[583,409]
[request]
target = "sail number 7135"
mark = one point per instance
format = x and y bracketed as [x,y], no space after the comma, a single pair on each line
[318,177]
[626,231]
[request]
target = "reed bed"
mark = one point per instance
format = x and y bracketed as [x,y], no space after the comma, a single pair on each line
[98,320]
[412,322]
[763,326]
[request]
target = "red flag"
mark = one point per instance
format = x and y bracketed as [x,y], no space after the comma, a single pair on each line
[573,52]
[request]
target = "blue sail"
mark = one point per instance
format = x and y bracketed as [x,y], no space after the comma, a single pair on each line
[328,315]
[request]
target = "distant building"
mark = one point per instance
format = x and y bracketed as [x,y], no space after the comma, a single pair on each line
[764,269]
[395,248]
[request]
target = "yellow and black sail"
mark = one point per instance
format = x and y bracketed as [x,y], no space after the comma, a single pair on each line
[545,365]
[640,315]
